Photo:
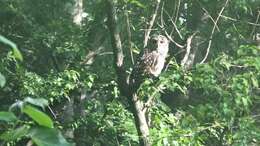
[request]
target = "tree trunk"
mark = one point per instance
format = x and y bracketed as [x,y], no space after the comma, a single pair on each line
[137,106]
[140,121]
[68,117]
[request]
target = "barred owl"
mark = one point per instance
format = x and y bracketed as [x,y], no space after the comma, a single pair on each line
[152,61]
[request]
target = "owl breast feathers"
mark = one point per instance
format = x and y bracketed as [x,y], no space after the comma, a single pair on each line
[150,64]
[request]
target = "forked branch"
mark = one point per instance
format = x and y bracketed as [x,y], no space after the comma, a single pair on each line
[213,31]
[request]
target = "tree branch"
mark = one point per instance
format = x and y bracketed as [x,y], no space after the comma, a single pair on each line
[206,11]
[213,31]
[236,20]
[174,24]
[129,35]
[151,23]
[256,21]
[188,48]
[116,46]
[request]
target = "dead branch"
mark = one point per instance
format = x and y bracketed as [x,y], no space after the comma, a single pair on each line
[177,10]
[129,36]
[236,20]
[213,31]
[174,24]
[151,23]
[188,48]
[211,18]
[174,27]
[172,40]
[162,21]
[254,27]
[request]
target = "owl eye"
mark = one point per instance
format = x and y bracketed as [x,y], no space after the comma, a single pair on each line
[161,42]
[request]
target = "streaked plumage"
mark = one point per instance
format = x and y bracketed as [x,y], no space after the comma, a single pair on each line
[152,60]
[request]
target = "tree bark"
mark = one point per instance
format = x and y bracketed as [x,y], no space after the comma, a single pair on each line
[68,117]
[137,106]
[140,121]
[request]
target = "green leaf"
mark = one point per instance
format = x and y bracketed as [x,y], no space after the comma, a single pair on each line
[2,80]
[245,101]
[137,3]
[7,116]
[38,116]
[254,82]
[41,102]
[17,53]
[15,134]
[43,136]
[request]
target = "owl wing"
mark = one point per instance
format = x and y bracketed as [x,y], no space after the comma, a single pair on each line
[143,68]
[150,61]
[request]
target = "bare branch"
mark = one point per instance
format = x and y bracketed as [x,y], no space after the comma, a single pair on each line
[129,36]
[206,11]
[257,19]
[150,100]
[236,20]
[171,39]
[213,31]
[188,48]
[162,21]
[177,11]
[54,115]
[151,23]
[175,27]
[174,24]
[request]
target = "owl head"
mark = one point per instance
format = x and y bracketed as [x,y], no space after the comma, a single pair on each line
[160,44]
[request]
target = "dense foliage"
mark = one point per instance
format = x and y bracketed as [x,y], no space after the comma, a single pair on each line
[59,87]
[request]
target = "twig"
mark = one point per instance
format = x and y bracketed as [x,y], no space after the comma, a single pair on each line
[129,36]
[170,38]
[235,20]
[151,23]
[144,29]
[211,18]
[257,19]
[238,32]
[169,62]
[213,31]
[105,53]
[255,116]
[174,27]
[177,11]
[149,102]
[166,33]
[174,24]
[162,21]
[54,115]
